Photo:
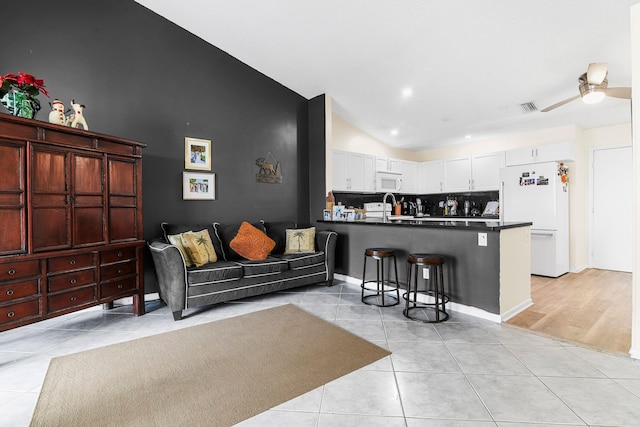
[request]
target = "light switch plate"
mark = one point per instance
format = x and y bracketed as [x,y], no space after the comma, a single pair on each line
[482,239]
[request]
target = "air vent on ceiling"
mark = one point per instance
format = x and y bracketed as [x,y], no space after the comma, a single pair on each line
[528,107]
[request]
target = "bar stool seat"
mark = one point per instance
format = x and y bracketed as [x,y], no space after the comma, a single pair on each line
[434,292]
[383,285]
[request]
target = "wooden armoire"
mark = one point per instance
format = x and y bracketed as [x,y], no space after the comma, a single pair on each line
[70,221]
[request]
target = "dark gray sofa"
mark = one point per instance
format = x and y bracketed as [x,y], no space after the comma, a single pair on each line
[233,277]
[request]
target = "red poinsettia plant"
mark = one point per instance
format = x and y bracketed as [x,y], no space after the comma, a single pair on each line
[22,82]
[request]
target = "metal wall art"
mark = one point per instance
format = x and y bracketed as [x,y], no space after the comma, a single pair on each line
[269,170]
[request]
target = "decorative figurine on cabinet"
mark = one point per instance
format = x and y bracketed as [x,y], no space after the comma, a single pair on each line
[77,119]
[57,113]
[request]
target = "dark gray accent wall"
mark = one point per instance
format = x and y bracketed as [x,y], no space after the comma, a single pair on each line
[144,78]
[317,156]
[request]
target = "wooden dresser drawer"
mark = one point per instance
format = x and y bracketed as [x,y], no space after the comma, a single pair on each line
[71,280]
[18,270]
[115,271]
[117,255]
[71,298]
[118,287]
[15,312]
[15,290]
[71,262]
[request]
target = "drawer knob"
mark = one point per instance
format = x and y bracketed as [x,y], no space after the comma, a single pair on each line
[73,281]
[10,292]
[119,254]
[73,298]
[12,271]
[119,286]
[120,271]
[72,261]
[11,314]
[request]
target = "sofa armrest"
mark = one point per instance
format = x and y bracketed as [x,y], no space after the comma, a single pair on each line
[171,272]
[326,241]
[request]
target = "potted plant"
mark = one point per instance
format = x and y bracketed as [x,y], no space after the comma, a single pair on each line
[18,93]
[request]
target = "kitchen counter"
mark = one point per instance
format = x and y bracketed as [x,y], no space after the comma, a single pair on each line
[487,262]
[474,223]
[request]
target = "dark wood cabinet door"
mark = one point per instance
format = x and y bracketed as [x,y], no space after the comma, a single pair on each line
[123,199]
[13,220]
[88,207]
[50,198]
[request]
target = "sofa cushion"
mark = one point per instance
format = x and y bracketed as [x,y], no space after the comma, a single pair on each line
[176,240]
[225,234]
[221,271]
[298,261]
[271,265]
[277,231]
[199,247]
[251,243]
[168,229]
[301,240]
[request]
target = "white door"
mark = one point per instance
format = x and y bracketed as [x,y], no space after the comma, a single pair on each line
[611,202]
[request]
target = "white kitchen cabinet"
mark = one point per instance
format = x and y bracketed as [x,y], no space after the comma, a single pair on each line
[387,164]
[558,152]
[457,174]
[369,173]
[430,177]
[409,177]
[349,171]
[485,171]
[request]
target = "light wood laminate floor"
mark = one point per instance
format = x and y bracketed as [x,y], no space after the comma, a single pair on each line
[592,307]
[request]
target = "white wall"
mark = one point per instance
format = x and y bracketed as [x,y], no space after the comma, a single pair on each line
[635,84]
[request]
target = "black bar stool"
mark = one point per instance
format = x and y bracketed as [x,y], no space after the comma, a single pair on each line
[383,286]
[433,262]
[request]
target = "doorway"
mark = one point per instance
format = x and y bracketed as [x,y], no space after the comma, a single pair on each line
[611,213]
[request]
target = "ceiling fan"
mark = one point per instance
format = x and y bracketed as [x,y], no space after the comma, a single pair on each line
[593,87]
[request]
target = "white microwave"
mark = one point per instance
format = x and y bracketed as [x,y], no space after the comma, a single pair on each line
[386,181]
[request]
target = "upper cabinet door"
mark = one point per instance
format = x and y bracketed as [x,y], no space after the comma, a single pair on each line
[457,174]
[123,199]
[88,206]
[430,177]
[486,171]
[369,173]
[339,179]
[51,199]
[13,216]
[409,177]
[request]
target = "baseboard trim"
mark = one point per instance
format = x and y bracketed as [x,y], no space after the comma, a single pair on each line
[516,310]
[453,306]
[579,269]
[634,353]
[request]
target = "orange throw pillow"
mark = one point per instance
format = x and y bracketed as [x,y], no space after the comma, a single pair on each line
[252,243]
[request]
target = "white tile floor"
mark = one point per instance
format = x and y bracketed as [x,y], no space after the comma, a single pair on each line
[464,372]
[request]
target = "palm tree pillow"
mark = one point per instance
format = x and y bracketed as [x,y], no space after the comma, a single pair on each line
[300,240]
[199,247]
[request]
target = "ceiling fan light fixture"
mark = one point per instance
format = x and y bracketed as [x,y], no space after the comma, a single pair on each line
[593,96]
[590,93]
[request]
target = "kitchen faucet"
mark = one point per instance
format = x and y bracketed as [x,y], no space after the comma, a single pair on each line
[384,205]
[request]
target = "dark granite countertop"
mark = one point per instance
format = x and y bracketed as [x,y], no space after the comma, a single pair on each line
[432,222]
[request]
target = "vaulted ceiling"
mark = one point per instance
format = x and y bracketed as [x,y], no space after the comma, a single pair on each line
[418,74]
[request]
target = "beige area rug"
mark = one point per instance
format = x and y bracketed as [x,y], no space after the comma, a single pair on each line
[215,374]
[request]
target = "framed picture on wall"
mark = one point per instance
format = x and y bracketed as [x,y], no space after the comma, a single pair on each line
[197,154]
[198,186]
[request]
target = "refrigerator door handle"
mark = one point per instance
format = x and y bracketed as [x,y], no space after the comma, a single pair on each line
[534,233]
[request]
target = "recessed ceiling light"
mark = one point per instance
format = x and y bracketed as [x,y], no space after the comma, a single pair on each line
[394,132]
[407,92]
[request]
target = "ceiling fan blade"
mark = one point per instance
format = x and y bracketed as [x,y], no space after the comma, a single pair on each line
[560,104]
[596,73]
[619,92]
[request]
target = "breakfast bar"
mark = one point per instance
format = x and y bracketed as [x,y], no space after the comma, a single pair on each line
[487,262]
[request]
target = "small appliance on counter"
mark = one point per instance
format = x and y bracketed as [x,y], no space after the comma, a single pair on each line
[492,209]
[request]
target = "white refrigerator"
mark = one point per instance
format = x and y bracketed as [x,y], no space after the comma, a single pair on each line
[535,193]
